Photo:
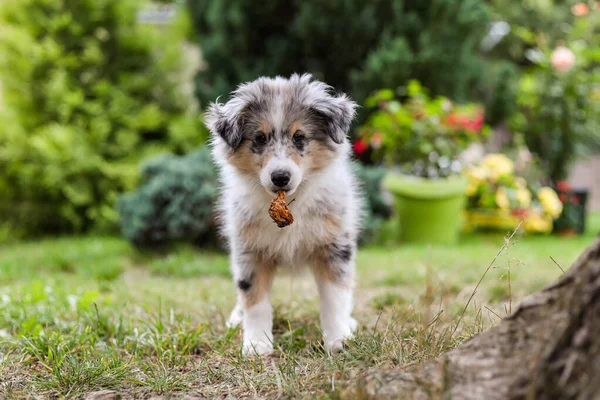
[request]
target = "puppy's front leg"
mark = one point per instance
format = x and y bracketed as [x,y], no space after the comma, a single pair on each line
[253,279]
[334,273]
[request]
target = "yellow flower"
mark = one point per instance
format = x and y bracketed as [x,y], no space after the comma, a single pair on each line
[502,198]
[476,174]
[520,182]
[550,202]
[537,223]
[524,197]
[471,189]
[497,165]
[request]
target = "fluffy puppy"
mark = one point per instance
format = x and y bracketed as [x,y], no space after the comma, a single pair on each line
[287,134]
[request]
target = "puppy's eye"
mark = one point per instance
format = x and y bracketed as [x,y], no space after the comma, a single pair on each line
[298,138]
[261,139]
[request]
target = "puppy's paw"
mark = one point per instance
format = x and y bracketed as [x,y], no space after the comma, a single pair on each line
[257,347]
[334,341]
[353,325]
[334,346]
[236,318]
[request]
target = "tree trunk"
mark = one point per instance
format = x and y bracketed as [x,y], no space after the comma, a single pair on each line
[549,348]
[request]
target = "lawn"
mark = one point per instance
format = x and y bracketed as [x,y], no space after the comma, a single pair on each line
[82,314]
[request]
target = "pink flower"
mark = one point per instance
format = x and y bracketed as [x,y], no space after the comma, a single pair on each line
[562,59]
[525,155]
[376,140]
[580,9]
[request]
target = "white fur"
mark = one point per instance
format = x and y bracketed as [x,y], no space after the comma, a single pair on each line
[243,200]
[258,328]
[336,307]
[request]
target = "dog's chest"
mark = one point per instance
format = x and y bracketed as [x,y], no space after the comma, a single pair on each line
[315,225]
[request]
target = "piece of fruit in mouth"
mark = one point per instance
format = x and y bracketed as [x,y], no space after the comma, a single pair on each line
[279,211]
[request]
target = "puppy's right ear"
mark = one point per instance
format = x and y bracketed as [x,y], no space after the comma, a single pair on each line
[225,120]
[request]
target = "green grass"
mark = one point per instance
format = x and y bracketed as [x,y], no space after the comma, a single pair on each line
[79,315]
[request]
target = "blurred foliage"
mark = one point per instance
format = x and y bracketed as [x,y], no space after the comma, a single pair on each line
[376,209]
[87,93]
[356,46]
[423,136]
[559,99]
[528,22]
[511,45]
[500,91]
[175,201]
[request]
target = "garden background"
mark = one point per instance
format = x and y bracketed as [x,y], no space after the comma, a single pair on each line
[112,275]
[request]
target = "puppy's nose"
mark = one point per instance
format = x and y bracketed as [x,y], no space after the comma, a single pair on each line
[280,178]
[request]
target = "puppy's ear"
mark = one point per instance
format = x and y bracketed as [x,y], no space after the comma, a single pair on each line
[336,113]
[225,120]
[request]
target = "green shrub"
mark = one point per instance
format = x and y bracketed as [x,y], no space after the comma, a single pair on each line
[175,201]
[356,46]
[558,112]
[87,93]
[376,208]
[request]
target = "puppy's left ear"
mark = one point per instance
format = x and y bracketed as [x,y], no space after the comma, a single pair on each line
[225,120]
[337,114]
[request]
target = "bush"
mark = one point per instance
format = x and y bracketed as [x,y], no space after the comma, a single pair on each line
[376,208]
[356,46]
[175,201]
[87,93]
[559,100]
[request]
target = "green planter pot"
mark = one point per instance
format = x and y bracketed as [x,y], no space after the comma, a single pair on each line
[430,210]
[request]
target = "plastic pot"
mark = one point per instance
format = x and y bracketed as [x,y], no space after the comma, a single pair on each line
[430,211]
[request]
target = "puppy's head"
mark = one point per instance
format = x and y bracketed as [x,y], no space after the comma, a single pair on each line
[281,130]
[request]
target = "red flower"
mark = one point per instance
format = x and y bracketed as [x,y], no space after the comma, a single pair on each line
[575,200]
[459,121]
[520,212]
[360,146]
[455,120]
[563,186]
[477,122]
[563,198]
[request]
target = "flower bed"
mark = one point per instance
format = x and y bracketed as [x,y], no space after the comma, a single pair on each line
[498,199]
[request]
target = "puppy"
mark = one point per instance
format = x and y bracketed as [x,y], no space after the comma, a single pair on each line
[287,134]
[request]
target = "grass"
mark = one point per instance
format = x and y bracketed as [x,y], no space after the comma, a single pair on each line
[79,315]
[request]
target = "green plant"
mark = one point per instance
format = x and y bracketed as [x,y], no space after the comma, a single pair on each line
[424,136]
[391,41]
[559,98]
[87,93]
[376,209]
[174,202]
